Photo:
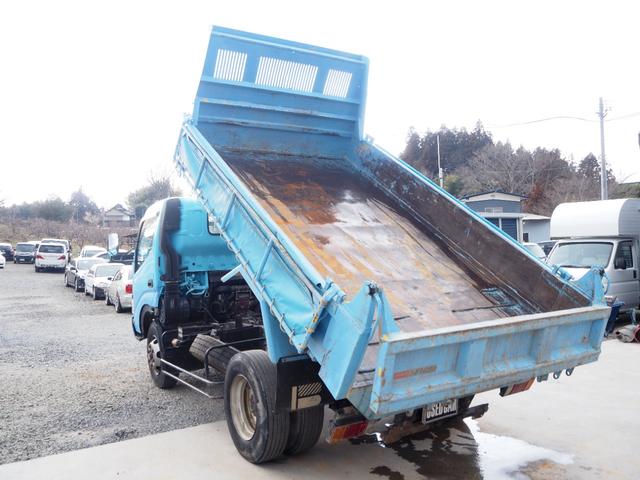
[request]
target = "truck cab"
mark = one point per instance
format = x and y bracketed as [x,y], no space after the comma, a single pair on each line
[602,234]
[179,254]
[618,258]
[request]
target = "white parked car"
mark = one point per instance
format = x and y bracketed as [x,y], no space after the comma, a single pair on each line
[91,251]
[536,250]
[120,289]
[2,261]
[99,277]
[51,255]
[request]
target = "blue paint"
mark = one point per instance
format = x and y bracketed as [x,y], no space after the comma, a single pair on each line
[310,100]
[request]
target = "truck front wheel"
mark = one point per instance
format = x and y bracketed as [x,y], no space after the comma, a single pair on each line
[154,354]
[258,430]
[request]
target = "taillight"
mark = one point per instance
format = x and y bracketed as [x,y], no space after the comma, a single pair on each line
[350,430]
[128,288]
[62,257]
[40,257]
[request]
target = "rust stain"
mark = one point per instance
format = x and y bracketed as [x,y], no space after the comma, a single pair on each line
[414,372]
[351,231]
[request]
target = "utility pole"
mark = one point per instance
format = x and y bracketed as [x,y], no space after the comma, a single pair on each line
[603,163]
[440,171]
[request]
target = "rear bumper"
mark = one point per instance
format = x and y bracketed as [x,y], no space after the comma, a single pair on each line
[415,369]
[48,264]
[125,301]
[24,259]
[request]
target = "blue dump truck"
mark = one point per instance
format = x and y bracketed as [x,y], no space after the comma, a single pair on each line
[318,272]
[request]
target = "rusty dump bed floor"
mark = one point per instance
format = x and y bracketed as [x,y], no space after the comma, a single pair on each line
[352,231]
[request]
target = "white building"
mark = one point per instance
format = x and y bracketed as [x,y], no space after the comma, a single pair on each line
[535,228]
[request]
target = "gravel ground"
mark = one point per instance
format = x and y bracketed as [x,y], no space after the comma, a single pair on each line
[74,376]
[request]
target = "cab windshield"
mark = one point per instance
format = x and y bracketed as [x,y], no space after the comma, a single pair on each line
[581,254]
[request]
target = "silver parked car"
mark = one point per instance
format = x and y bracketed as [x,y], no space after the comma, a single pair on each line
[91,251]
[76,271]
[120,289]
[99,277]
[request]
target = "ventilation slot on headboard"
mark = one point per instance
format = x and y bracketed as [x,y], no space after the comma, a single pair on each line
[273,72]
[230,65]
[337,84]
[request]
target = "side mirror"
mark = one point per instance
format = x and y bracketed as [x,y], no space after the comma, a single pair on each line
[113,242]
[109,278]
[620,263]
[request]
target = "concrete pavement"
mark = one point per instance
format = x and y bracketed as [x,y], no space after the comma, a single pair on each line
[585,426]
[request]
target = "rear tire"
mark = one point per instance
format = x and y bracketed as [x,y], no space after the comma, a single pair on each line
[154,354]
[258,430]
[304,432]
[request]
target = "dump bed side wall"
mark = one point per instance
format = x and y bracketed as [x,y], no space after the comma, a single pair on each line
[481,246]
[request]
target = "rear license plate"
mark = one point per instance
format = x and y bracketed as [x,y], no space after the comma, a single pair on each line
[440,410]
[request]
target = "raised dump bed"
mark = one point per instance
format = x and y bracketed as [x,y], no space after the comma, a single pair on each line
[400,293]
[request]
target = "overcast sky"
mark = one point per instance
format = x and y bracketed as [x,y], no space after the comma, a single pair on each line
[94,96]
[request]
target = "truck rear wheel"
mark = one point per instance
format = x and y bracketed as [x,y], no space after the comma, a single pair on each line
[154,354]
[258,430]
[304,432]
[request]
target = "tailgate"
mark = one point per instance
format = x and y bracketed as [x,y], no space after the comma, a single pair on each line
[415,369]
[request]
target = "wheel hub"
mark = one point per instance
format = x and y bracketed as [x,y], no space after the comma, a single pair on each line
[243,407]
[153,356]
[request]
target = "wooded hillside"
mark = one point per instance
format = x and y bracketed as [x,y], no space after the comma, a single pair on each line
[473,162]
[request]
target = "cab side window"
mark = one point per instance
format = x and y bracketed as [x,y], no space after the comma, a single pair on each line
[625,252]
[145,240]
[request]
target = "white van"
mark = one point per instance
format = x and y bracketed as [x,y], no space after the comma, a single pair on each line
[51,256]
[603,233]
[61,241]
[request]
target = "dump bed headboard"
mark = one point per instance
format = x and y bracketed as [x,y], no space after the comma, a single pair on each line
[262,93]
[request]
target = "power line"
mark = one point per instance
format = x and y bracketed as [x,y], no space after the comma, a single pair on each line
[630,115]
[546,119]
[563,117]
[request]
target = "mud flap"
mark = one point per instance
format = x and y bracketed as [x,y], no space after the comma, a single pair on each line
[299,385]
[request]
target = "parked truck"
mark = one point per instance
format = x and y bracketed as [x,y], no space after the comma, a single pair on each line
[317,271]
[603,234]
